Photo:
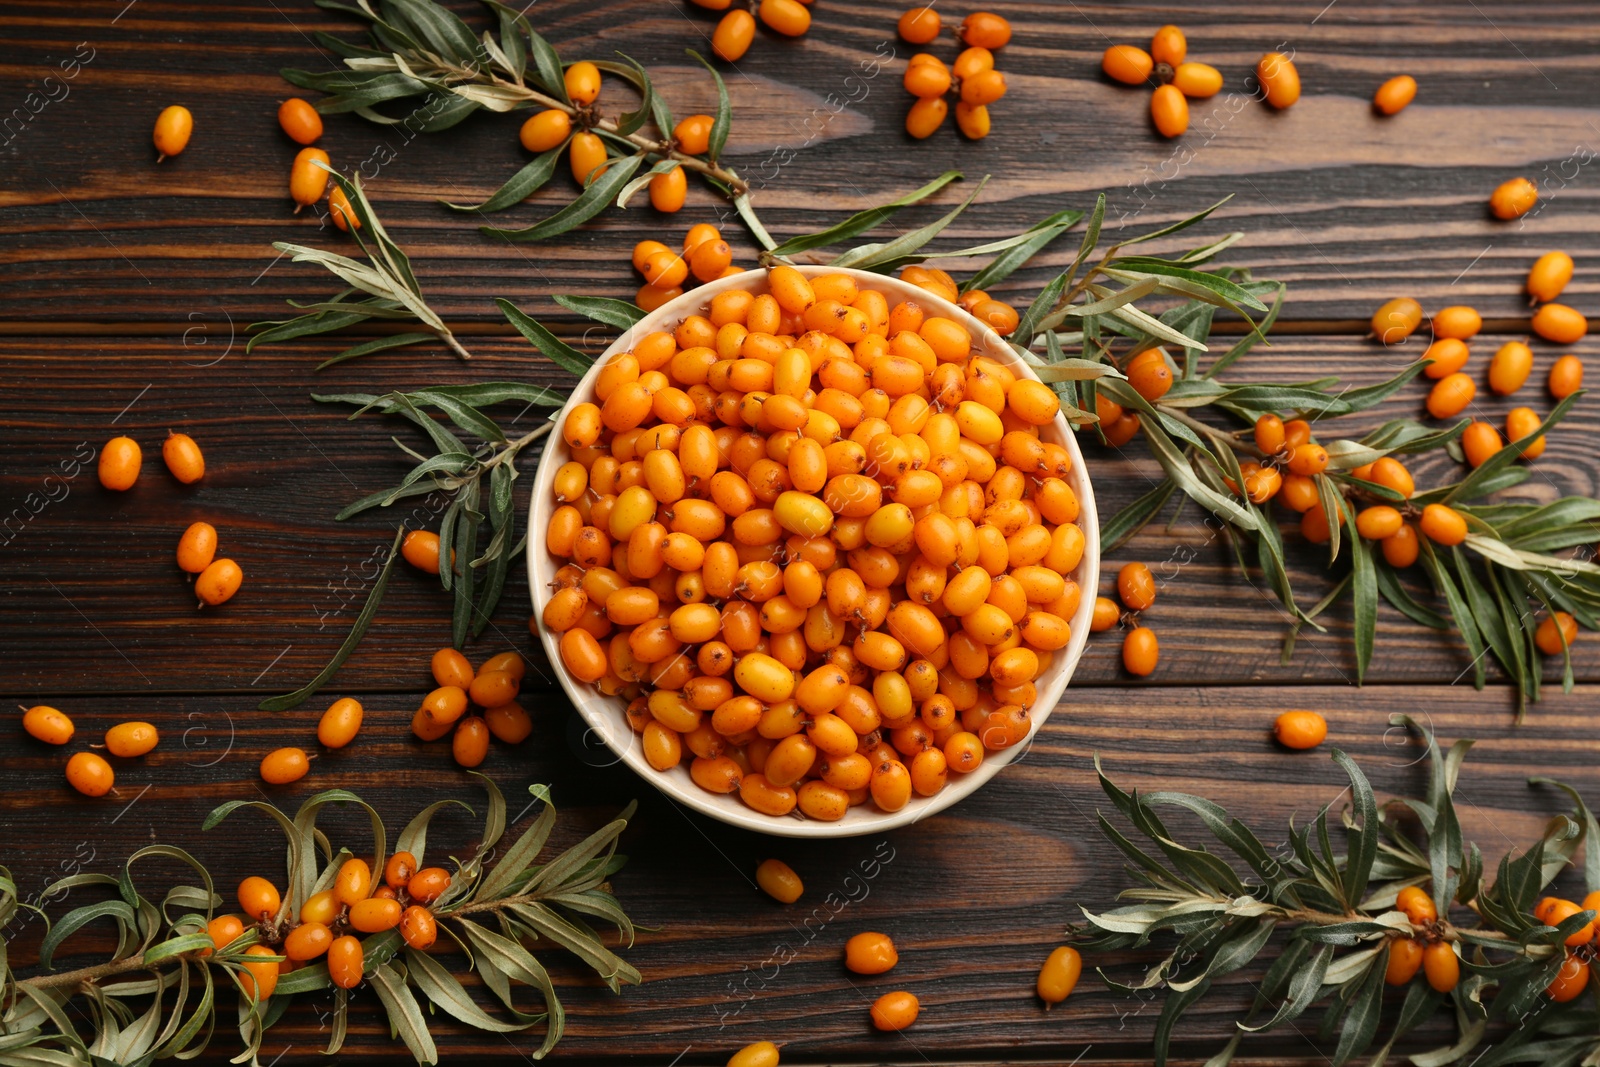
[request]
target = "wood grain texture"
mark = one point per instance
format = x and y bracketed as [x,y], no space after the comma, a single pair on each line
[1349,208]
[91,570]
[973,898]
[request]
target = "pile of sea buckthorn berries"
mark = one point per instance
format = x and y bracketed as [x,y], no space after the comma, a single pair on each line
[1436,958]
[737,29]
[120,462]
[972,77]
[330,919]
[1177,79]
[493,690]
[1136,588]
[772,514]
[705,257]
[89,772]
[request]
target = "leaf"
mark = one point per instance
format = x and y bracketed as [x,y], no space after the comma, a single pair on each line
[724,116]
[1402,601]
[405,1014]
[521,185]
[547,67]
[1365,590]
[595,198]
[631,121]
[381,344]
[1182,224]
[1476,484]
[546,343]
[1363,849]
[358,630]
[518,857]
[1027,244]
[887,255]
[1361,1019]
[741,204]
[618,313]
[442,988]
[76,919]
[862,221]
[1121,527]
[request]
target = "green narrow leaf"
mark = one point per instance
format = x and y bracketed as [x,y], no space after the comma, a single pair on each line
[546,343]
[358,630]
[724,116]
[888,255]
[597,195]
[521,185]
[1121,527]
[405,1014]
[1402,601]
[381,344]
[547,68]
[1033,241]
[618,313]
[1477,483]
[1364,588]
[862,221]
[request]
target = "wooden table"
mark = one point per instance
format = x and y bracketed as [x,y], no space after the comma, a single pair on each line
[126,287]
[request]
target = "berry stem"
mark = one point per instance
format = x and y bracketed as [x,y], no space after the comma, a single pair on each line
[90,975]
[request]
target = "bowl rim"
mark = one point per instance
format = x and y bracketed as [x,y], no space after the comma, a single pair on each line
[601,713]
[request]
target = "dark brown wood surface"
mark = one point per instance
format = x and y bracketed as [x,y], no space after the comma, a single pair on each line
[125,290]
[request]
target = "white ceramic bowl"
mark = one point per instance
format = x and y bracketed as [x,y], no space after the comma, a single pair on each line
[604,715]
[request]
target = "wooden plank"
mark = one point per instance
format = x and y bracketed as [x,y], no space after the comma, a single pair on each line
[1349,208]
[974,897]
[94,603]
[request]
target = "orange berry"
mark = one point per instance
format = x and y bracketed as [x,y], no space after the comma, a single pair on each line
[788,17]
[1480,441]
[1169,46]
[778,880]
[693,134]
[1446,356]
[582,81]
[1460,322]
[1308,460]
[285,765]
[218,582]
[731,39]
[421,549]
[1570,981]
[307,179]
[1280,81]
[1127,64]
[259,979]
[1523,422]
[984,29]
[1513,199]
[1393,95]
[1417,905]
[870,953]
[183,458]
[668,190]
[1059,975]
[895,1011]
[1552,630]
[47,724]
[1566,377]
[90,774]
[1197,81]
[197,547]
[1136,586]
[923,80]
[344,214]
[1405,960]
[1443,524]
[973,122]
[1401,548]
[1169,110]
[1451,395]
[173,127]
[586,156]
[258,898]
[1510,367]
[1560,324]
[919,25]
[119,463]
[545,130]
[1442,966]
[1549,275]
[299,120]
[1140,651]
[1300,729]
[1396,320]
[130,739]
[1379,522]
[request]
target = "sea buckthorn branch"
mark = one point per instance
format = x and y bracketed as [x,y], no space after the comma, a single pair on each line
[1368,917]
[158,996]
[391,289]
[425,52]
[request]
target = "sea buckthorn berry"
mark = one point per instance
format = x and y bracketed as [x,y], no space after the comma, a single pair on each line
[469,745]
[1523,422]
[218,582]
[1460,322]
[984,29]
[224,930]
[1169,110]
[1378,522]
[1280,81]
[131,739]
[1269,435]
[1197,81]
[1549,275]
[398,870]
[1443,524]
[586,155]
[1127,64]
[183,458]
[895,1011]
[1300,729]
[1513,199]
[510,662]
[1393,95]
[1404,961]
[1566,377]
[983,88]
[299,120]
[259,979]
[353,883]
[258,898]
[1441,966]
[1560,324]
[1451,395]
[545,130]
[89,774]
[1059,975]
[927,79]
[340,723]
[418,928]
[1140,651]
[756,1054]
[509,723]
[693,134]
[307,180]
[788,17]
[173,127]
[1553,630]
[582,81]
[344,961]
[1480,441]
[421,549]
[1169,46]
[119,463]
[450,667]
[307,941]
[870,953]
[1446,356]
[1106,614]
[1392,474]
[919,25]
[1308,460]
[343,213]
[1300,494]
[375,915]
[1136,587]
[284,765]
[47,724]
[197,547]
[444,705]
[491,688]
[1417,905]
[1402,547]
[1570,981]
[1396,320]
[1510,367]
[668,190]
